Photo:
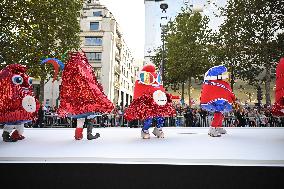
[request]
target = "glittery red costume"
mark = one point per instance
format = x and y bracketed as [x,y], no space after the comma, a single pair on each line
[81,95]
[278,107]
[17,103]
[80,92]
[144,105]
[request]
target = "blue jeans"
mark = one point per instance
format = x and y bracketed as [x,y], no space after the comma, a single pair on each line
[148,122]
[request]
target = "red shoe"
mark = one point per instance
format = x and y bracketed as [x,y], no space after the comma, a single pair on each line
[79,133]
[16,136]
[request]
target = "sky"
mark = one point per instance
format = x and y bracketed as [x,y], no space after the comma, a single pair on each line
[130,15]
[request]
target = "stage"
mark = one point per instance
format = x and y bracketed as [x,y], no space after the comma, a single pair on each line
[181,146]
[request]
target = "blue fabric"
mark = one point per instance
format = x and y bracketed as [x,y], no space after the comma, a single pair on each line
[81,115]
[147,124]
[160,122]
[218,70]
[217,106]
[18,122]
[56,60]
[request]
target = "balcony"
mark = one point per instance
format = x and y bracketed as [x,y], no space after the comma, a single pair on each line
[118,43]
[116,84]
[117,57]
[117,69]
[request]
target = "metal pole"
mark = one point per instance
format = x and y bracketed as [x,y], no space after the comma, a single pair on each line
[163,56]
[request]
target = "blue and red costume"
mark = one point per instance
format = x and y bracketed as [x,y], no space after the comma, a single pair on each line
[217,95]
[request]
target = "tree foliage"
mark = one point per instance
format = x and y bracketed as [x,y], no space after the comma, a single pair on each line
[34,29]
[248,39]
[189,49]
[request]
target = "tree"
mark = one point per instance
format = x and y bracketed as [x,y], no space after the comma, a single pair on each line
[34,29]
[188,44]
[248,38]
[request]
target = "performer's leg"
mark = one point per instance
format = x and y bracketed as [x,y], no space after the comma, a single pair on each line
[158,129]
[7,129]
[216,123]
[18,133]
[79,128]
[90,136]
[219,117]
[145,130]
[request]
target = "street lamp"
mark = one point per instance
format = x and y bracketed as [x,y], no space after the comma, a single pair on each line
[164,7]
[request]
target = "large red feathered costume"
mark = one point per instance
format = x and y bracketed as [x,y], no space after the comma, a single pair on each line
[17,102]
[278,107]
[81,95]
[150,99]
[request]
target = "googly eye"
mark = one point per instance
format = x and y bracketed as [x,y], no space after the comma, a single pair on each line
[17,79]
[30,80]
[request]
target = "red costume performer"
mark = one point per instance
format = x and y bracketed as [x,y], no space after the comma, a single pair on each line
[81,96]
[217,96]
[150,101]
[278,107]
[17,103]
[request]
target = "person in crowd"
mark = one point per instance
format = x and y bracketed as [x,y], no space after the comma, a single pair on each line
[40,121]
[188,115]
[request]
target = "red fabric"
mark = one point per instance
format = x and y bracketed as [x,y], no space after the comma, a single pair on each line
[12,95]
[278,107]
[217,120]
[174,97]
[80,92]
[16,136]
[140,89]
[143,105]
[210,92]
[78,133]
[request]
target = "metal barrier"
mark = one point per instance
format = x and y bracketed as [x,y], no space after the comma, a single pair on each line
[113,120]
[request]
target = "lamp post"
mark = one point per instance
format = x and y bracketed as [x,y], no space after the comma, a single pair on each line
[164,7]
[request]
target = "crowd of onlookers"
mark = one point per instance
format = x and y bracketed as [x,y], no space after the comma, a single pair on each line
[246,116]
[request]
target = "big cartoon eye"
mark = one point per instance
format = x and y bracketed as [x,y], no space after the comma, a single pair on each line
[17,79]
[30,80]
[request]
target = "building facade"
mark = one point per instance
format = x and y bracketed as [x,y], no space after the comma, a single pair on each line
[107,52]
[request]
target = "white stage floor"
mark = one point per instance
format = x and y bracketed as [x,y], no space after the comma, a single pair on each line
[181,146]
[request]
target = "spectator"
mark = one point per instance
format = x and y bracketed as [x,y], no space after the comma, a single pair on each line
[39,122]
[188,117]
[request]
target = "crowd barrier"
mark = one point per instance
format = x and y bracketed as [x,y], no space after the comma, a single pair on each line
[113,120]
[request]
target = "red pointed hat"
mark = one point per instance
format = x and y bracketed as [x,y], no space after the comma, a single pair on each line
[149,68]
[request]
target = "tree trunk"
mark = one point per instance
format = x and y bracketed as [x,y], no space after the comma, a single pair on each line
[41,96]
[182,92]
[189,90]
[232,78]
[267,84]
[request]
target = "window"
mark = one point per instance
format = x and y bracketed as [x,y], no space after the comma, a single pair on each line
[97,72]
[93,41]
[97,13]
[94,56]
[94,26]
